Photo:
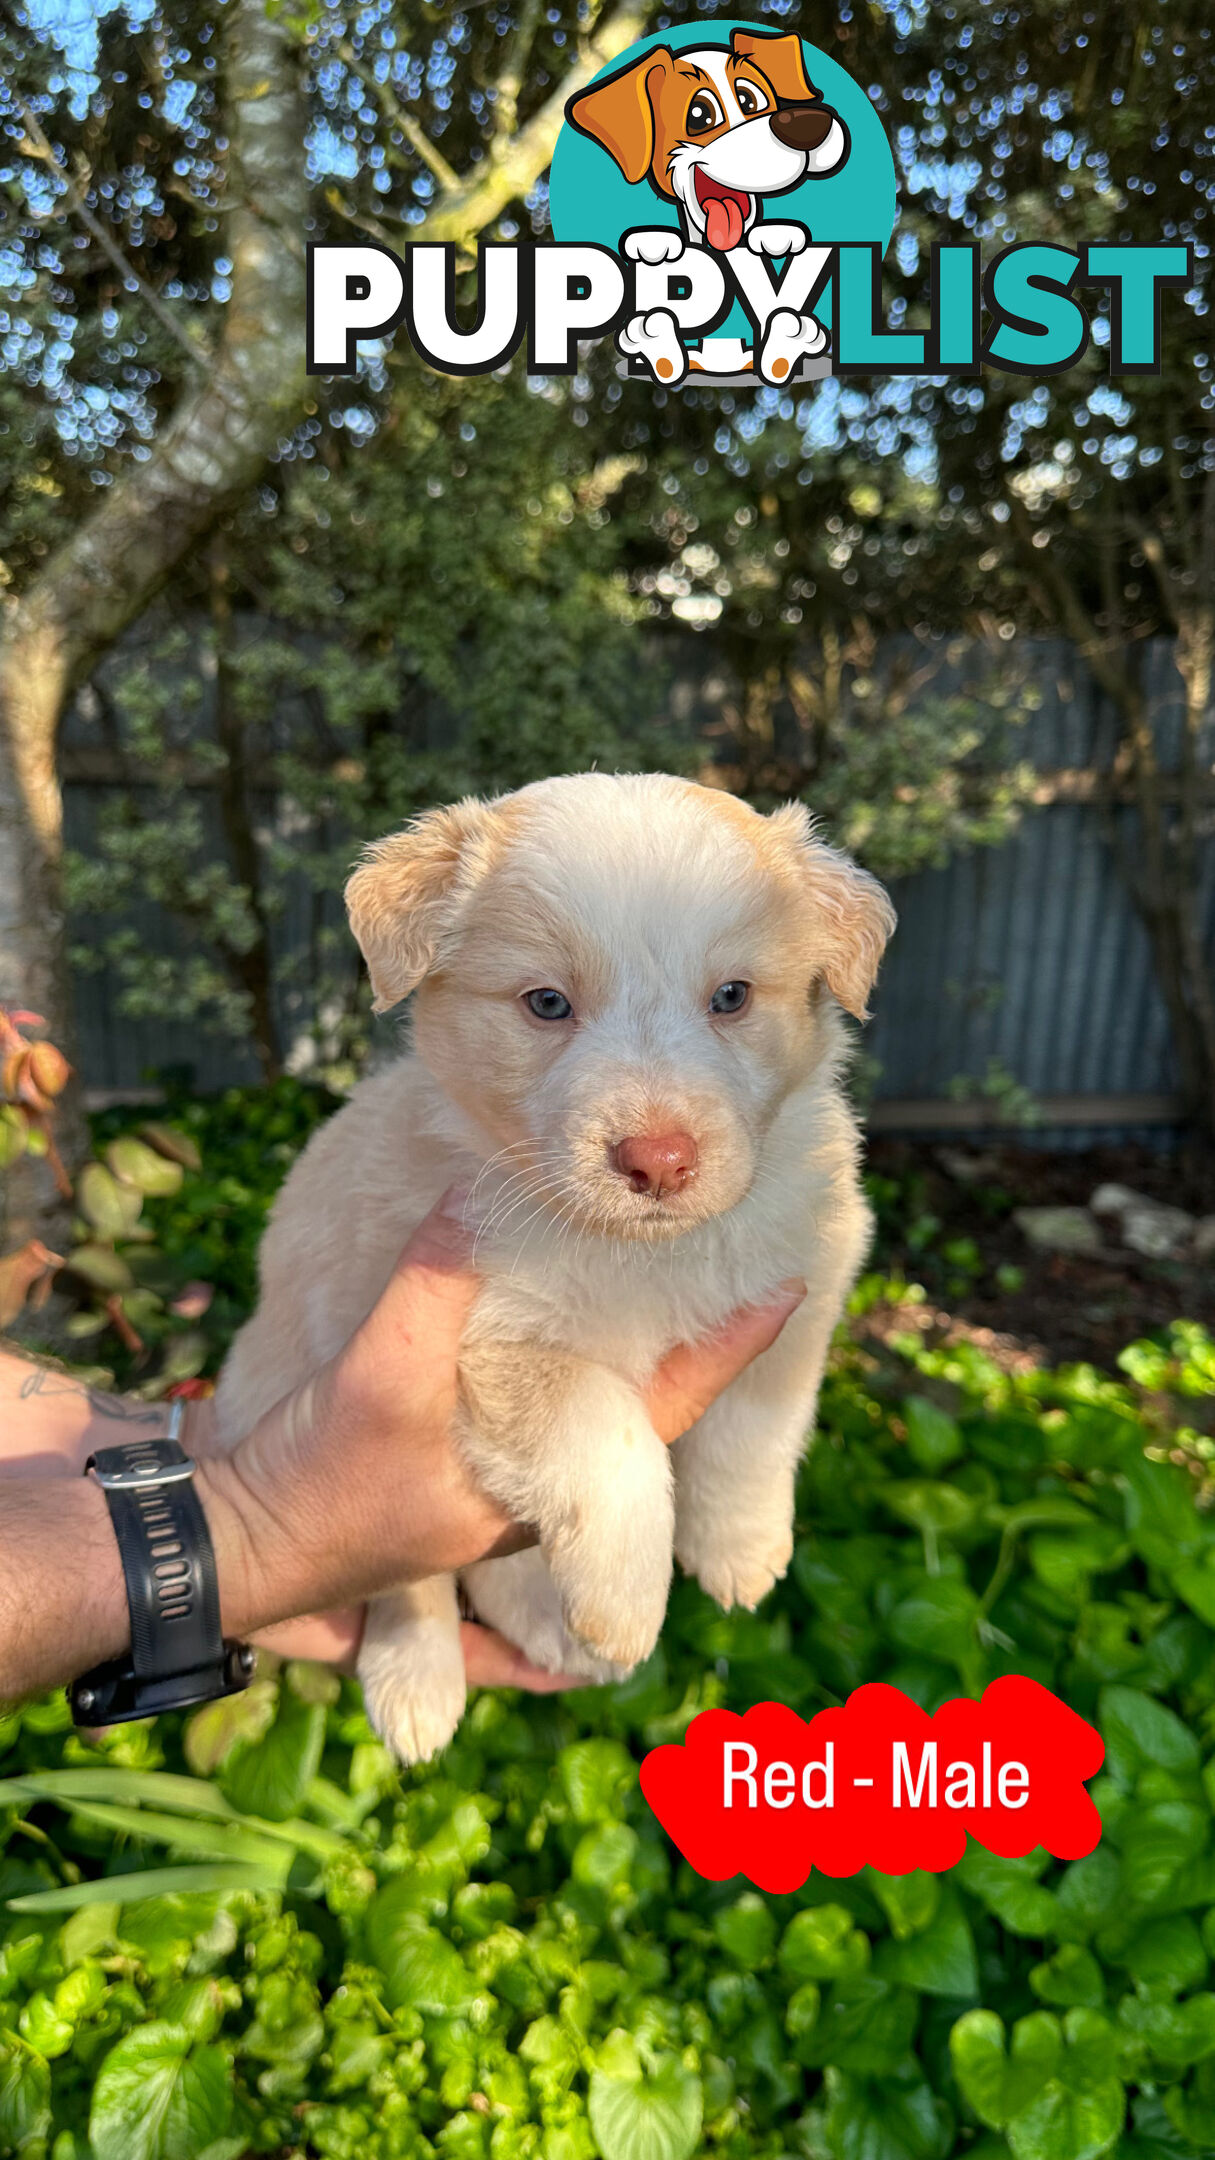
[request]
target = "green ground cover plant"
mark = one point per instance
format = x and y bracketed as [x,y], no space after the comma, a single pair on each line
[246,1932]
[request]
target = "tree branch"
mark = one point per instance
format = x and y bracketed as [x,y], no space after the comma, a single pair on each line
[394,112]
[40,146]
[514,166]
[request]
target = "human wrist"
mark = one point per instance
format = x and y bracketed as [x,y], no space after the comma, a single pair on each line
[258,1572]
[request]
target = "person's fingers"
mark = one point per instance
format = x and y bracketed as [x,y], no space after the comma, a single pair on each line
[694,1374]
[491,1661]
[417,1324]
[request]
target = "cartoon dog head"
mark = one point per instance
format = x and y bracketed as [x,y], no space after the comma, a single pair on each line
[715,128]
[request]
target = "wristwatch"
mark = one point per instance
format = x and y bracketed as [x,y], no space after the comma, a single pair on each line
[178,1653]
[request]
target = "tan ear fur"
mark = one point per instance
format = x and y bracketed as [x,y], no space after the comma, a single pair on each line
[780,58]
[854,916]
[403,894]
[619,114]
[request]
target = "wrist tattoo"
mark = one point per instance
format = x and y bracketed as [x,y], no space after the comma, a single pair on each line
[119,1409]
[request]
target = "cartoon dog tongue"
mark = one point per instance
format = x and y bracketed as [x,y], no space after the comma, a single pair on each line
[723,222]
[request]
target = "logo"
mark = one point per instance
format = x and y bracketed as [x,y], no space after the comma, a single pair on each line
[722,197]
[725,166]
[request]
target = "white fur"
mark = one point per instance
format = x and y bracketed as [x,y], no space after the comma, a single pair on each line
[641,894]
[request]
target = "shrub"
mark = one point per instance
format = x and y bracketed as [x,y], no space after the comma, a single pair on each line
[247,1932]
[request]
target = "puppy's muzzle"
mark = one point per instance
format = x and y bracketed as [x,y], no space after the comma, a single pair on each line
[802,127]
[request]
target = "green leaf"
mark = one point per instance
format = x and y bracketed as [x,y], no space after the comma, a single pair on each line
[206,1839]
[896,2119]
[603,1858]
[14,1133]
[156,2098]
[1009,1889]
[178,1147]
[908,1901]
[112,1209]
[823,1944]
[270,1776]
[656,2117]
[100,1267]
[999,2085]
[149,1173]
[423,1970]
[1071,1976]
[148,1883]
[938,1620]
[933,1438]
[214,1731]
[1066,2125]
[1138,1731]
[940,1960]
[1166,1954]
[25,2098]
[596,1774]
[929,1507]
[43,2028]
[746,1931]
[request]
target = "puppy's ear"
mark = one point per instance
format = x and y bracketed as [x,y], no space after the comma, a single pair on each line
[853,915]
[779,56]
[619,113]
[403,895]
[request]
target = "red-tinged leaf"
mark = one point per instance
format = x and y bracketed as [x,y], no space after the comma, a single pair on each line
[20,1273]
[49,1068]
[194,1301]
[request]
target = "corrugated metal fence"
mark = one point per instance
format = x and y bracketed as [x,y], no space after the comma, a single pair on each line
[1021,964]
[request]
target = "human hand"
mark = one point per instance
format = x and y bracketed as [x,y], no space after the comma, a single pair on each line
[354,1482]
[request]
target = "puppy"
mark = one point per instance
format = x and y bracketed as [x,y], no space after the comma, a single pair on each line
[627,1035]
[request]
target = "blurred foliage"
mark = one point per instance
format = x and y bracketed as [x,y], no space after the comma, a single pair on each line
[246,1931]
[168,1214]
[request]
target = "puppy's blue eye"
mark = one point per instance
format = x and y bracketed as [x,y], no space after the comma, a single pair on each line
[730,997]
[549,1005]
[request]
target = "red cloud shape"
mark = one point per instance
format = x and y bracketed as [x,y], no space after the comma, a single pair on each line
[877,1783]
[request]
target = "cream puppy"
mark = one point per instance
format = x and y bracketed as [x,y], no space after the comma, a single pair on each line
[627,1039]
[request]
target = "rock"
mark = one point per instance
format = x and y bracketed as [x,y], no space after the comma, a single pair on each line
[1146,1226]
[1204,1238]
[1156,1230]
[1115,1199]
[968,1169]
[1059,1229]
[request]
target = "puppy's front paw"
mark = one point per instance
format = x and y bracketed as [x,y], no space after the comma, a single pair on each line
[657,244]
[414,1688]
[777,240]
[735,1570]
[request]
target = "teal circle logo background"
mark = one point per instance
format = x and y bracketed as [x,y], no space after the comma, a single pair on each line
[590,199]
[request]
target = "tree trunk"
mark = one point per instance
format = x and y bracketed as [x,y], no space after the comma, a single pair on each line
[229,418]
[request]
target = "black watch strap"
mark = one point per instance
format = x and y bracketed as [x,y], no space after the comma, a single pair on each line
[178,1653]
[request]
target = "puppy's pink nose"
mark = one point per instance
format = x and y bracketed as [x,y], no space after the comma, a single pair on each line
[656,1163]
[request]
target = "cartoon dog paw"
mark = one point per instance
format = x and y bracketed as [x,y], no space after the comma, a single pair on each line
[790,338]
[657,246]
[777,239]
[655,339]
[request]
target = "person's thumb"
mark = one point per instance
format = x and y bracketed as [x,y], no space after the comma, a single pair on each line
[415,1328]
